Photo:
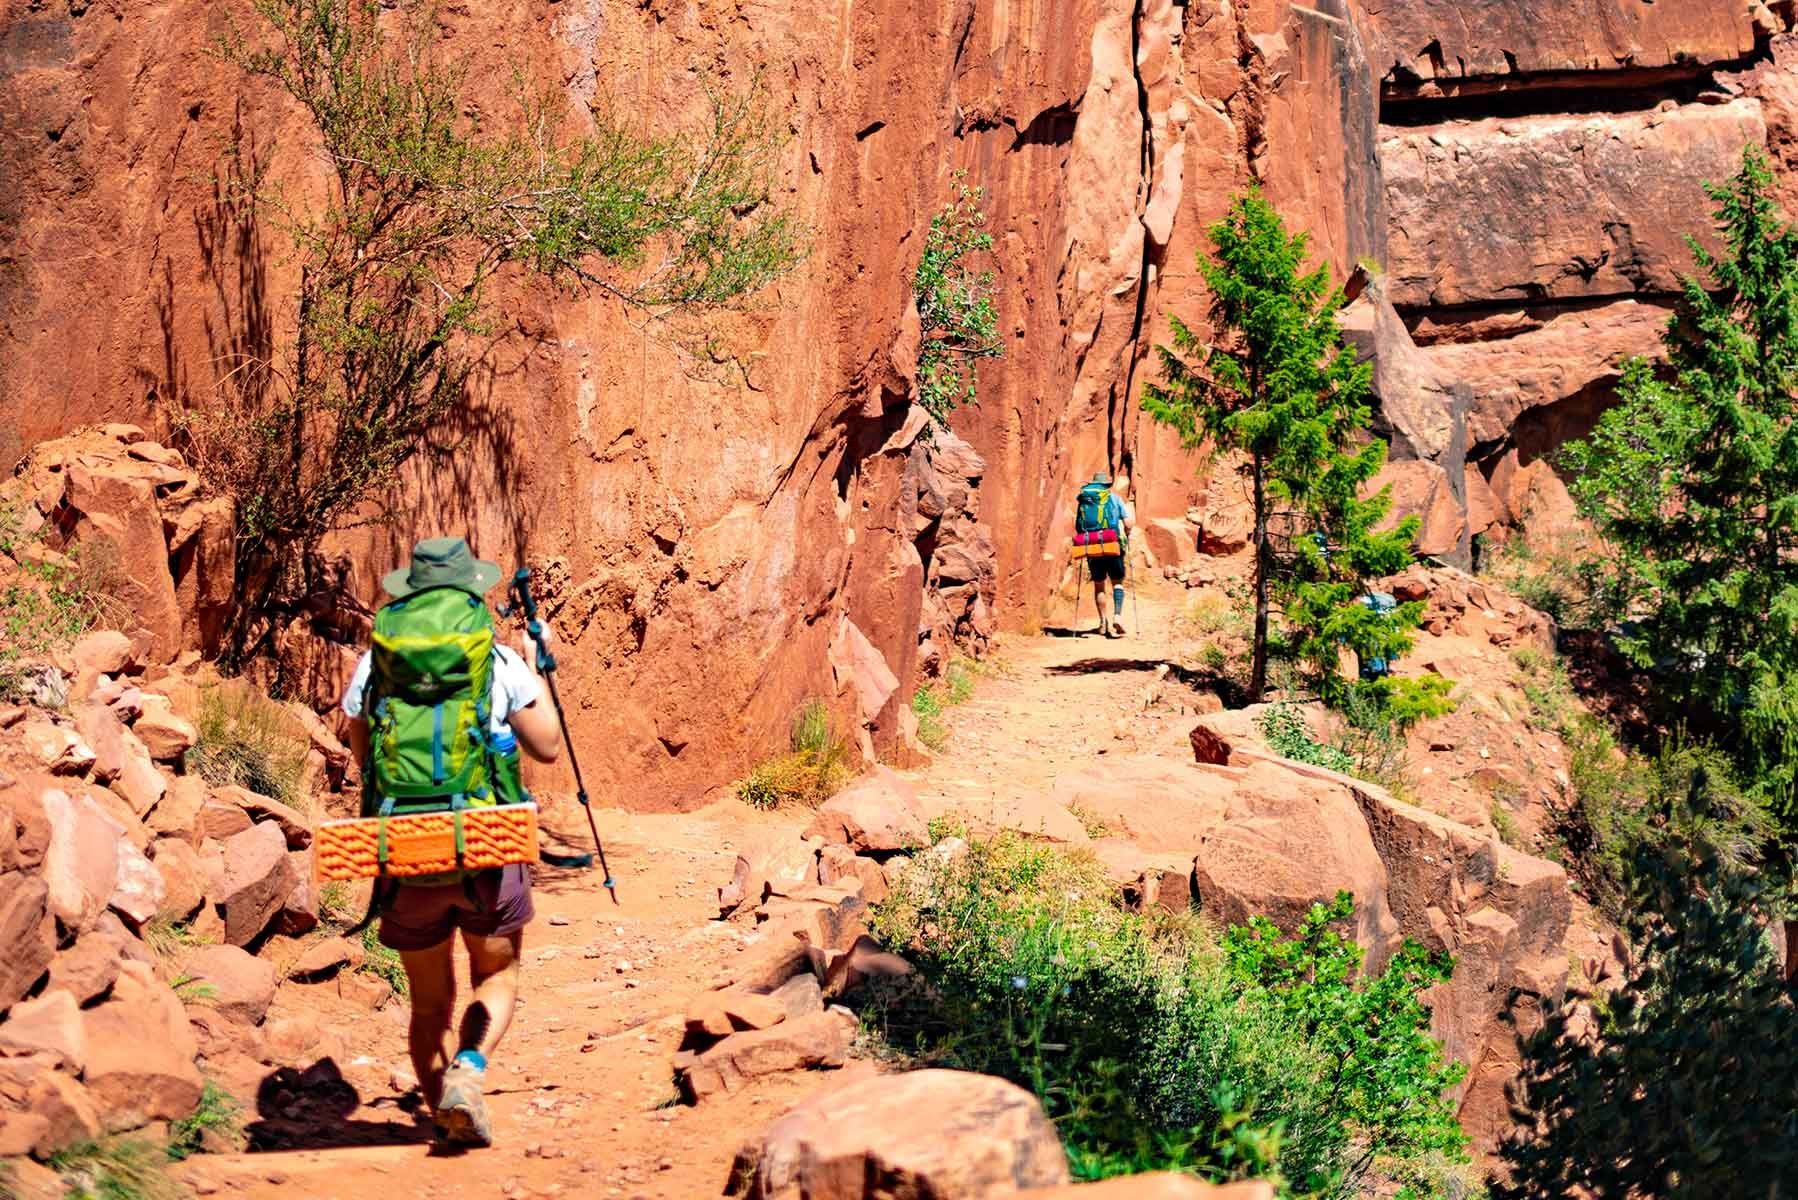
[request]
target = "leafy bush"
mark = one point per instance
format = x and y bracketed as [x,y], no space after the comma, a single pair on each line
[811,772]
[955,304]
[245,739]
[1154,1046]
[1287,734]
[118,1169]
[1377,715]
[1678,1081]
[217,1111]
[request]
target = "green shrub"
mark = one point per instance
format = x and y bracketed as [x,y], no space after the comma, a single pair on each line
[1152,1045]
[120,1169]
[218,1111]
[425,201]
[1287,734]
[245,739]
[956,310]
[814,768]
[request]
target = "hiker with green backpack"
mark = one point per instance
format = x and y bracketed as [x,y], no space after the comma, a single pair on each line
[439,710]
[1101,512]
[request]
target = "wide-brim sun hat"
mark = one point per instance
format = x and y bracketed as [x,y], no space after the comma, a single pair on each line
[442,562]
[1103,477]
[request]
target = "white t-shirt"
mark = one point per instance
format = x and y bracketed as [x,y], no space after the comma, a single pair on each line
[514,687]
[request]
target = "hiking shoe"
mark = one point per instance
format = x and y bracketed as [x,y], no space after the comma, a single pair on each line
[1118,629]
[462,1113]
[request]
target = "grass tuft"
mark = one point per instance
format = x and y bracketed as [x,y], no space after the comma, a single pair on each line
[245,739]
[813,770]
[218,1112]
[931,702]
[116,1169]
[382,962]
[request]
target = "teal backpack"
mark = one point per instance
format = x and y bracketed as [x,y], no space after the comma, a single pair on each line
[428,709]
[1093,509]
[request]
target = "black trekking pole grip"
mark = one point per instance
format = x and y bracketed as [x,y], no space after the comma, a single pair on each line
[546,663]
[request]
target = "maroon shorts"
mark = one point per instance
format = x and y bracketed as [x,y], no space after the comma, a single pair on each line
[493,904]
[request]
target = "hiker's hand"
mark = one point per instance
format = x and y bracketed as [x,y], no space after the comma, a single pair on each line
[530,643]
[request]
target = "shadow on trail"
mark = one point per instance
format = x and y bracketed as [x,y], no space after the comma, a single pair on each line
[1226,688]
[311,1109]
[1103,666]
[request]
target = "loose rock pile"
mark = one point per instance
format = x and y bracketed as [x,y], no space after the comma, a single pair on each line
[104,842]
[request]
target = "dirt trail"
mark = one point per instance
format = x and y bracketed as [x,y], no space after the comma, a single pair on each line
[581,1091]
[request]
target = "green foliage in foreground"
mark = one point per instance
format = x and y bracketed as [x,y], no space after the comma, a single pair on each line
[1692,483]
[1679,1082]
[1154,1046]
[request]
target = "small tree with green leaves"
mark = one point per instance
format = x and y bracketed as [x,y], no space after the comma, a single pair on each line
[958,320]
[1280,387]
[1675,1081]
[1692,482]
[423,208]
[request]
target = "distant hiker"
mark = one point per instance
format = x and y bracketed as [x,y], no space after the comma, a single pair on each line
[438,605]
[1098,508]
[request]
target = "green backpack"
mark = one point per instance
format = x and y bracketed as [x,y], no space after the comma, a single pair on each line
[427,705]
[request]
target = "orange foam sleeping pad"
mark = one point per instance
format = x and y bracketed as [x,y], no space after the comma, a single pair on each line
[425,843]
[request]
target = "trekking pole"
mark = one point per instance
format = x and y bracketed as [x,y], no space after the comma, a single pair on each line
[1135,608]
[546,663]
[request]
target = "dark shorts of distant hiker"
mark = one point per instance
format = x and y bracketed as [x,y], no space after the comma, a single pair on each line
[1107,566]
[495,903]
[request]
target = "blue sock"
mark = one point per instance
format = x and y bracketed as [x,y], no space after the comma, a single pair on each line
[1117,601]
[472,1058]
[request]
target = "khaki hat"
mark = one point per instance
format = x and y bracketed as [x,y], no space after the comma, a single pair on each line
[1103,477]
[442,562]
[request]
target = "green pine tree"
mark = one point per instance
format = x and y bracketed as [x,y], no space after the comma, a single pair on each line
[1675,1081]
[1280,387]
[1692,481]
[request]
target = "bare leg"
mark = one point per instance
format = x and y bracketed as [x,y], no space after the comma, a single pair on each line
[493,967]
[1101,601]
[431,980]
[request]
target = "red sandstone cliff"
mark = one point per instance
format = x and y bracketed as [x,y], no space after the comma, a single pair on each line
[724,539]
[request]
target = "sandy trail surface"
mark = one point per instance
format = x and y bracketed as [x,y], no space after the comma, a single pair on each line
[581,1091]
